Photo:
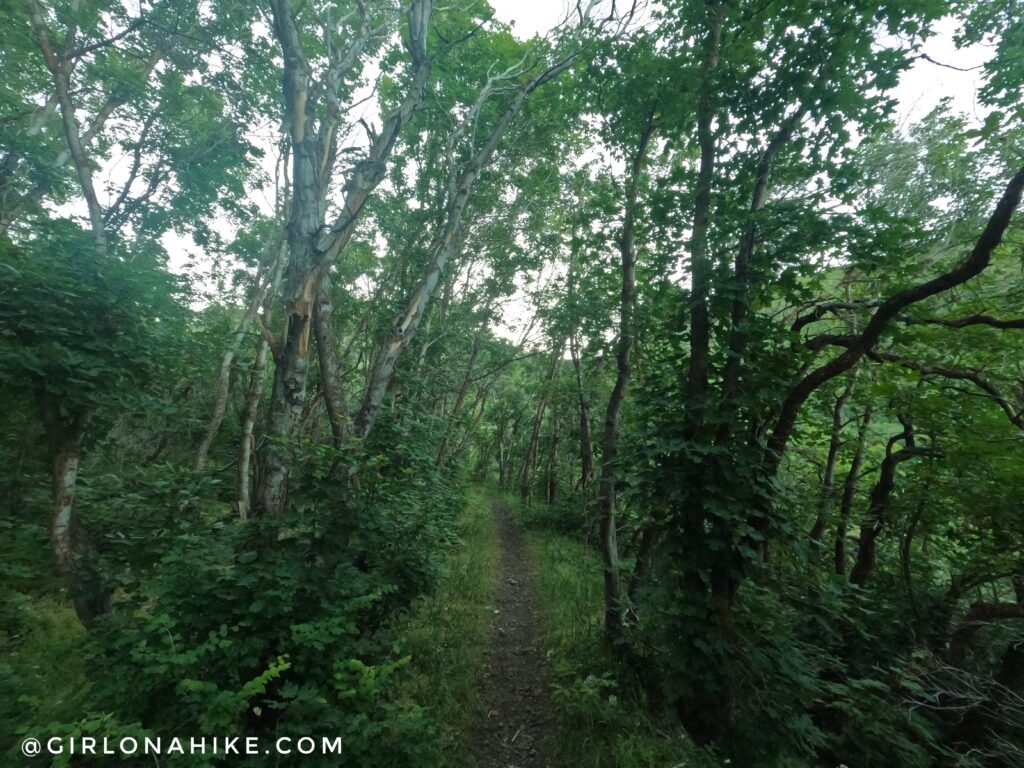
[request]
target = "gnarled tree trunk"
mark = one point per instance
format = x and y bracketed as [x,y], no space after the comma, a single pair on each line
[878,505]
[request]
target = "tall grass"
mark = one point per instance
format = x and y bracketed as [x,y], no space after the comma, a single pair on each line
[604,720]
[448,632]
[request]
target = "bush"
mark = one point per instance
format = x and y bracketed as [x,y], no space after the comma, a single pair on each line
[275,627]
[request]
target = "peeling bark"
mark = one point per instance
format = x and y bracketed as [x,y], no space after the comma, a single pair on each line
[312,245]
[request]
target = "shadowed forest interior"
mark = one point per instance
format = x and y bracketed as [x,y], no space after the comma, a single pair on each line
[647,393]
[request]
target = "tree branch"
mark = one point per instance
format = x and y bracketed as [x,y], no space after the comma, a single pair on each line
[975,263]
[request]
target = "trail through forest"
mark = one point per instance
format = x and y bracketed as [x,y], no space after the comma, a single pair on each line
[515,700]
[293,302]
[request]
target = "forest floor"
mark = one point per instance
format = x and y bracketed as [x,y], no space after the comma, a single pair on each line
[517,709]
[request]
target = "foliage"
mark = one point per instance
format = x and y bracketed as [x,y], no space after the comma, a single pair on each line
[279,286]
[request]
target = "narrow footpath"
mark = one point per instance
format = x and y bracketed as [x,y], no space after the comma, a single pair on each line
[518,711]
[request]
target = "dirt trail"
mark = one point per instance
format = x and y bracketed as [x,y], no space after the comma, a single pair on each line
[518,712]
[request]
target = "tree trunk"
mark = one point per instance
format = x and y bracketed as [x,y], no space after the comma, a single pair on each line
[610,441]
[501,453]
[850,492]
[291,367]
[906,549]
[508,444]
[71,548]
[551,474]
[827,495]
[312,245]
[442,450]
[700,265]
[648,539]
[530,458]
[741,277]
[704,720]
[878,506]
[405,326]
[479,406]
[247,442]
[60,70]
[224,377]
[587,470]
[291,358]
[327,353]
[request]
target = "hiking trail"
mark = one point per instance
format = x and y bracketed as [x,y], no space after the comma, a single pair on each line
[517,710]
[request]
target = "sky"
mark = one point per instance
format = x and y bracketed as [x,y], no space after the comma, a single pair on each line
[530,17]
[921,88]
[925,84]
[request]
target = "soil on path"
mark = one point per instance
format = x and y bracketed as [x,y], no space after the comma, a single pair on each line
[516,705]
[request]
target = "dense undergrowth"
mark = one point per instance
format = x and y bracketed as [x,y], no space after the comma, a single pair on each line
[831,674]
[305,625]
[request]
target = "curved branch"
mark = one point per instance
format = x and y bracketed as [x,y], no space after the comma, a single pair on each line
[963,322]
[1016,418]
[975,263]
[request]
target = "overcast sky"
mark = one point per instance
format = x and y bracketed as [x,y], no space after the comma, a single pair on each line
[920,89]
